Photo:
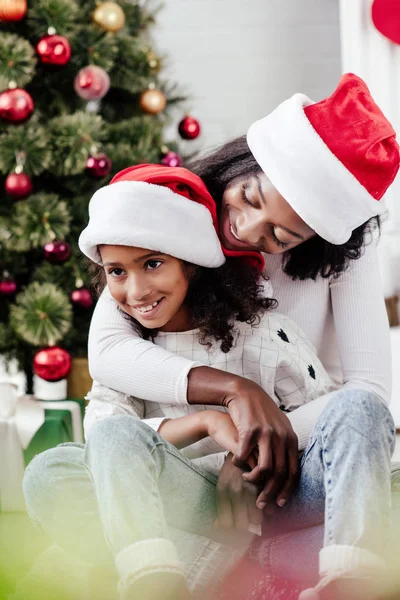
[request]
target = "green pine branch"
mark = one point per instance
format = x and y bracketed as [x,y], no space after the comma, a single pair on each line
[17,60]
[42,314]
[33,140]
[35,222]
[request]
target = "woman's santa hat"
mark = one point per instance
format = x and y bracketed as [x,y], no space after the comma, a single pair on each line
[332,160]
[162,208]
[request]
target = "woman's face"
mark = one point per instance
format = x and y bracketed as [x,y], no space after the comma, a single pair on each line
[254,216]
[149,286]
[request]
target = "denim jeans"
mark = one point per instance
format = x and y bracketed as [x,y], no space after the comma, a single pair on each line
[127,484]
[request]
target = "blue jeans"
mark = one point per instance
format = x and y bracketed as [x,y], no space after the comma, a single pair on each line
[127,485]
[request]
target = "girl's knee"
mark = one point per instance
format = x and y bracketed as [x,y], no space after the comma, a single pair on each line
[118,430]
[45,472]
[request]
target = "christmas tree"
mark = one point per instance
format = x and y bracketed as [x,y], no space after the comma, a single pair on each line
[81,97]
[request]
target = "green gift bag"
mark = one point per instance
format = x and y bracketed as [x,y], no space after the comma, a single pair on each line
[58,428]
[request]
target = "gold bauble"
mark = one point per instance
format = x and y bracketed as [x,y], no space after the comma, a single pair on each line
[152,101]
[109,16]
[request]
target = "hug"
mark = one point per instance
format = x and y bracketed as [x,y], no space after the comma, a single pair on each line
[241,363]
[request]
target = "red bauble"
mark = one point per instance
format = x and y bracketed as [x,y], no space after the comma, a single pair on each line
[12,10]
[8,287]
[82,297]
[18,185]
[57,252]
[16,106]
[52,364]
[189,128]
[54,50]
[172,159]
[98,166]
[92,83]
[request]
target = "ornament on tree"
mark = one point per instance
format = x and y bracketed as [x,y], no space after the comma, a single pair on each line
[92,83]
[12,10]
[98,166]
[18,185]
[54,50]
[154,61]
[82,297]
[189,128]
[52,364]
[386,18]
[16,105]
[152,101]
[172,159]
[109,16]
[57,252]
[8,287]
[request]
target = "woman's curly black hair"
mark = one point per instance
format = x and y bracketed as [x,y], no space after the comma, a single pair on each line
[216,298]
[234,161]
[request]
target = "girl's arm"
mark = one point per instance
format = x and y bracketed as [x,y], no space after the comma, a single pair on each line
[187,430]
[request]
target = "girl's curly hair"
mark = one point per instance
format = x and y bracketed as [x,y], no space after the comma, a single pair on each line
[234,161]
[216,298]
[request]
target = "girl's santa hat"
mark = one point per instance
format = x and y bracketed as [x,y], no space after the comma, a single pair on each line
[332,160]
[162,208]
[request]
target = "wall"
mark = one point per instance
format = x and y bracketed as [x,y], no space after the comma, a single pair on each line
[237,59]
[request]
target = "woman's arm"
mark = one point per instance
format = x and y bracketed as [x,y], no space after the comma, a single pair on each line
[121,360]
[362,328]
[363,338]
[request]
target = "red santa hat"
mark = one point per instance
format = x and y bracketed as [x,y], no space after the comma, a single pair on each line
[332,160]
[147,206]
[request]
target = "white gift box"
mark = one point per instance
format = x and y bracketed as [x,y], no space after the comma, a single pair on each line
[20,418]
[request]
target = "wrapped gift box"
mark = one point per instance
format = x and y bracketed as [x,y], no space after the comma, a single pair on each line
[28,427]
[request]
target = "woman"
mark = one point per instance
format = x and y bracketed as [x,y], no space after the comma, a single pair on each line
[305,189]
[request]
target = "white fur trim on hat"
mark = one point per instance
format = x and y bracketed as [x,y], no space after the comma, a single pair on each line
[322,191]
[135,213]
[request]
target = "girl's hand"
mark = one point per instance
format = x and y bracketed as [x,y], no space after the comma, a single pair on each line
[236,501]
[220,428]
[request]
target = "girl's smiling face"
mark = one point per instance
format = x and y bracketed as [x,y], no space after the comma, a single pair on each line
[255,216]
[149,286]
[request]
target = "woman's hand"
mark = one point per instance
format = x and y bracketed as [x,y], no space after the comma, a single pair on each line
[264,431]
[236,500]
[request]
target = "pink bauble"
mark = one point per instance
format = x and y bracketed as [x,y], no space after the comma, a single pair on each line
[18,185]
[98,166]
[82,297]
[54,50]
[57,252]
[92,83]
[52,364]
[172,159]
[8,287]
[189,128]
[16,106]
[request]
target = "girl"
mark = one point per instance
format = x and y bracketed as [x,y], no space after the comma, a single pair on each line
[161,258]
